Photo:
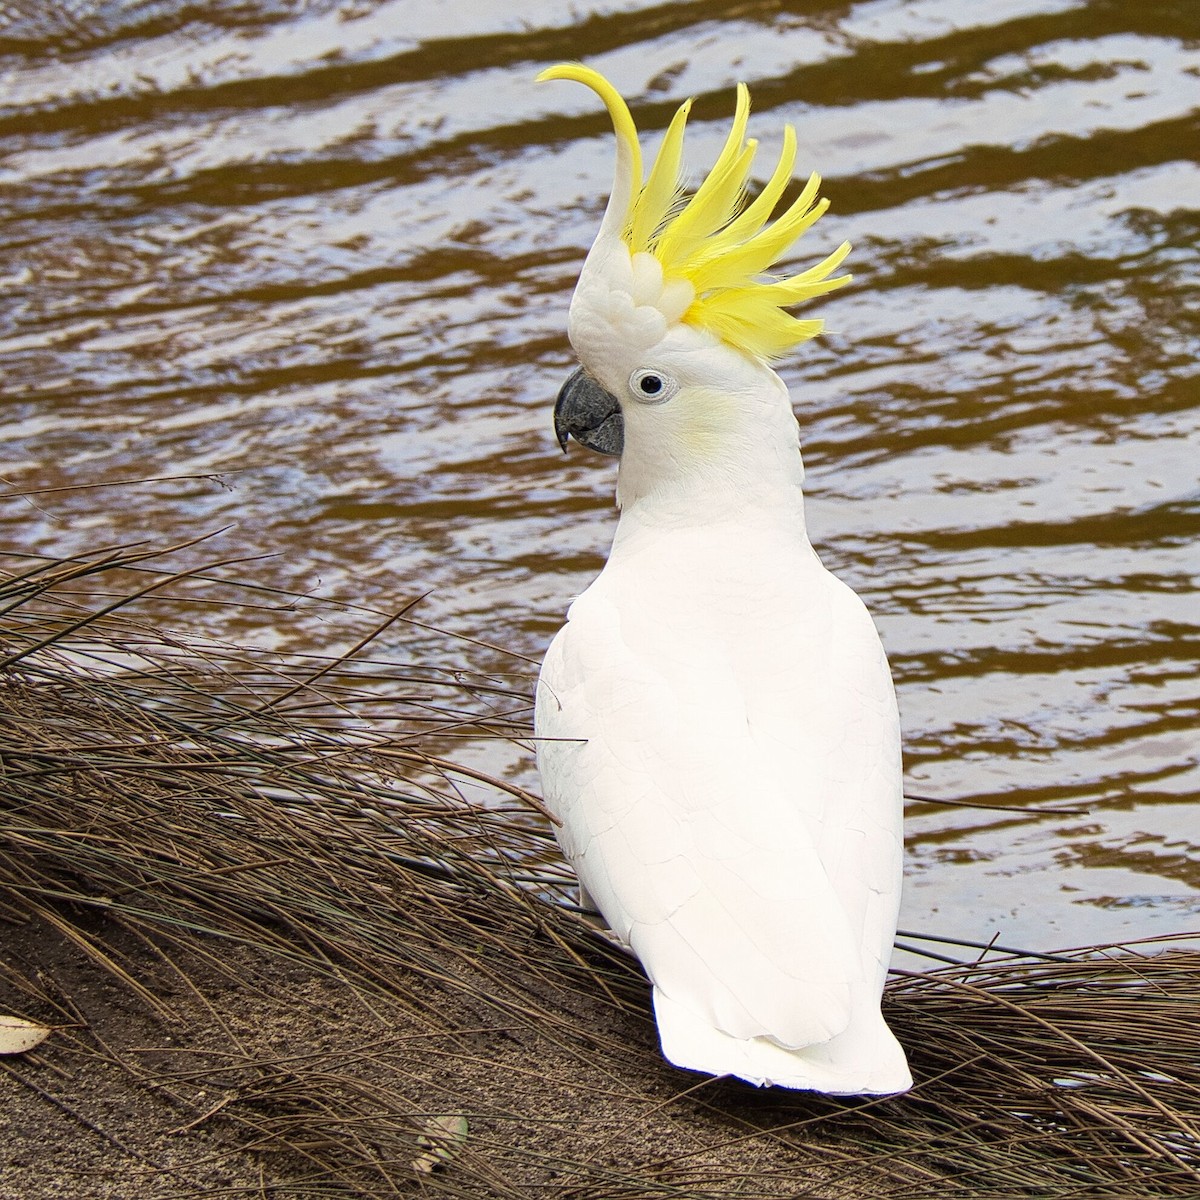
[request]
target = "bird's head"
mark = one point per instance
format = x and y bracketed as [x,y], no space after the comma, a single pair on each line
[673,318]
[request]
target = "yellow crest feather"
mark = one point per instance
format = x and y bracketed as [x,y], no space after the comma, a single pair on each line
[714,240]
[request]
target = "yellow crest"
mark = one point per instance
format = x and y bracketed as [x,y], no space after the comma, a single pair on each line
[714,240]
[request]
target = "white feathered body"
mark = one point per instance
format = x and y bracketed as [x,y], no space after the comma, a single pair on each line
[718,734]
[716,723]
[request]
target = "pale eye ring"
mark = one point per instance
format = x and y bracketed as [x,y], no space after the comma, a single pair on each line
[651,386]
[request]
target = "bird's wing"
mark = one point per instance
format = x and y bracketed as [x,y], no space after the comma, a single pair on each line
[826,722]
[696,807]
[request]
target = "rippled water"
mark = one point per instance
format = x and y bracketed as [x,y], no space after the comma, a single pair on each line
[324,252]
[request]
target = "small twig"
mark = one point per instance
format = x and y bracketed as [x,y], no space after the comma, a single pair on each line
[225,1100]
[212,476]
[1021,808]
[983,946]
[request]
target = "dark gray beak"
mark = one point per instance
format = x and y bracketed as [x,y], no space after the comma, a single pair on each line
[590,414]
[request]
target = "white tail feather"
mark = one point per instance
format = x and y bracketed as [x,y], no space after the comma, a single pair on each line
[864,1060]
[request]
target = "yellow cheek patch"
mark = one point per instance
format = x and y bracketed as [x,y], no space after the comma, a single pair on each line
[704,422]
[715,246]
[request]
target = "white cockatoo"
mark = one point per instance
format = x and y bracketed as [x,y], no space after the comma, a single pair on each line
[716,724]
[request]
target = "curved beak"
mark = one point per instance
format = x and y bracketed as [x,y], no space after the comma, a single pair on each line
[590,414]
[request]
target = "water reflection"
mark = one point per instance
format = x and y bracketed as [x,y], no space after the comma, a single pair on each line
[317,256]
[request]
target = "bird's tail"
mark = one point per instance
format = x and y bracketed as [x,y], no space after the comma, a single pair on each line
[864,1060]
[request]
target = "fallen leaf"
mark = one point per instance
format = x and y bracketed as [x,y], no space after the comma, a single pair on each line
[441,1140]
[17,1036]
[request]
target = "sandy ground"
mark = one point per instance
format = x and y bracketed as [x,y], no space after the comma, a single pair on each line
[133,1099]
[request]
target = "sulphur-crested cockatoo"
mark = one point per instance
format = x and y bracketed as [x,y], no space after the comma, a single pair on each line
[716,724]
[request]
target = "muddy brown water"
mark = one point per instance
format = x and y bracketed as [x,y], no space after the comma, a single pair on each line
[324,251]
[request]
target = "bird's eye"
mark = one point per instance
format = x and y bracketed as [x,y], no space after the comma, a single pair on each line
[652,387]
